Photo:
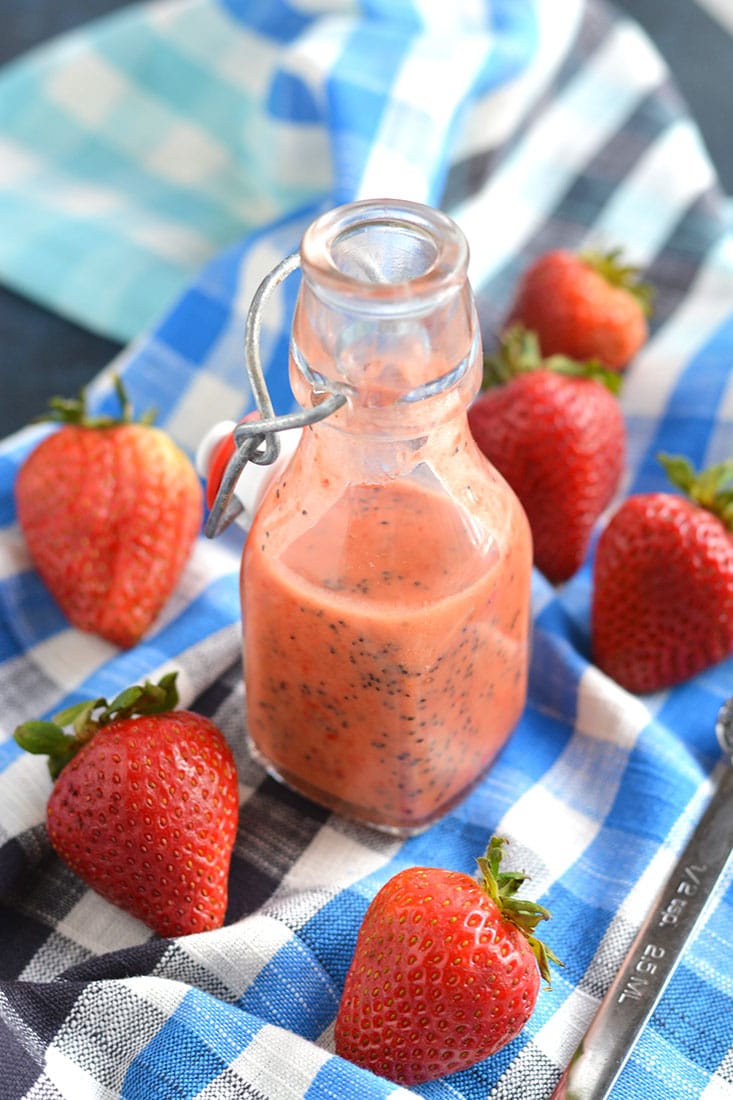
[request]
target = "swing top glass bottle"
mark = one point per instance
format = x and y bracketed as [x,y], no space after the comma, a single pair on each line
[385,580]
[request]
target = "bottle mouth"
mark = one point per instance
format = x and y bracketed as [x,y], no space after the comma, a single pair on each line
[384,254]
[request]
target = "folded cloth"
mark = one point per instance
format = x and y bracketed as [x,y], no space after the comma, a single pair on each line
[566,135]
[132,152]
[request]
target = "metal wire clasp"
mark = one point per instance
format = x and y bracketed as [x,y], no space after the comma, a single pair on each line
[256,440]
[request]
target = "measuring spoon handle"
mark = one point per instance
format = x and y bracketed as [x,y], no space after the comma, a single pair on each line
[653,955]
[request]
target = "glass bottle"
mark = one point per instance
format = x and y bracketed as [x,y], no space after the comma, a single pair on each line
[386,577]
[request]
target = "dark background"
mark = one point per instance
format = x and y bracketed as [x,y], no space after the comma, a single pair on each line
[42,354]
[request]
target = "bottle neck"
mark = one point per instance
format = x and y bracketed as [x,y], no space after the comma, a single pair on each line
[385,316]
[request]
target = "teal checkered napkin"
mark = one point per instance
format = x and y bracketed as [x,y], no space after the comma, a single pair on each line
[134,150]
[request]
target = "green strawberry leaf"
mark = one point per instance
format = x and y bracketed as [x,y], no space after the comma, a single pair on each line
[147,698]
[711,488]
[41,737]
[501,886]
[47,739]
[680,470]
[73,410]
[519,352]
[627,277]
[78,713]
[588,368]
[86,717]
[124,701]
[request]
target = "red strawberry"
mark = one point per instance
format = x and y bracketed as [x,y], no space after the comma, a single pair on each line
[588,306]
[109,510]
[663,581]
[445,972]
[556,432]
[144,805]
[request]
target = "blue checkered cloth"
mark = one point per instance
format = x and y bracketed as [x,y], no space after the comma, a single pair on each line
[152,169]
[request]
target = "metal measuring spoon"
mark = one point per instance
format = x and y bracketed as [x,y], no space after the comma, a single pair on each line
[656,950]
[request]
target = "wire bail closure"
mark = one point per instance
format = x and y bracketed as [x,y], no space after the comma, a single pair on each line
[257,440]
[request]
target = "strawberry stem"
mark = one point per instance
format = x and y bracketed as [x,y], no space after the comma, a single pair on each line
[49,738]
[73,410]
[610,266]
[711,489]
[519,352]
[501,887]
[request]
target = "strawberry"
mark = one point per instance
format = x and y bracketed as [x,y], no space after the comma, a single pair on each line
[662,606]
[109,510]
[555,431]
[446,971]
[587,306]
[144,804]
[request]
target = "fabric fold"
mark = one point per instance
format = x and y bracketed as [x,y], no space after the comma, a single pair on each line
[136,149]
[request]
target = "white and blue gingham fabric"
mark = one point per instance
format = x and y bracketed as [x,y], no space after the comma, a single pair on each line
[152,169]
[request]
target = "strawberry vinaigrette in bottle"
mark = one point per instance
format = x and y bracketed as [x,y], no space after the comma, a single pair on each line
[386,577]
